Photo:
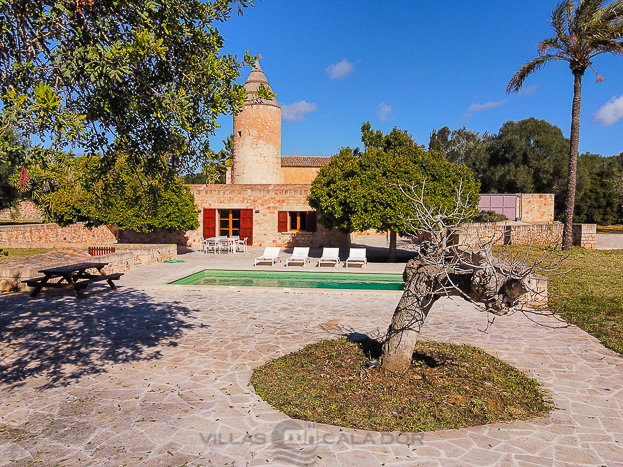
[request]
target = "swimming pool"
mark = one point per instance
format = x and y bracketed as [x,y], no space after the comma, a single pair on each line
[314,280]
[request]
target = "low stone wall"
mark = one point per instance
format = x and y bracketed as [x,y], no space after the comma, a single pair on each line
[126,257]
[25,211]
[54,235]
[584,235]
[509,234]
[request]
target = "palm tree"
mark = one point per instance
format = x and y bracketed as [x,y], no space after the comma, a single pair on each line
[582,32]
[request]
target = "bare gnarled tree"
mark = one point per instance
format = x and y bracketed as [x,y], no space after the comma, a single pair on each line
[445,267]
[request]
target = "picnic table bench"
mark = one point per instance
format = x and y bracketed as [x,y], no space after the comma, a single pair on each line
[74,277]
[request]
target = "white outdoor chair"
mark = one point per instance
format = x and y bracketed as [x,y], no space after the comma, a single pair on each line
[270,255]
[202,245]
[212,244]
[357,256]
[228,244]
[330,256]
[241,245]
[299,255]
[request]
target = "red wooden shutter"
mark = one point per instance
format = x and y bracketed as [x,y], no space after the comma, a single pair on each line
[282,221]
[209,223]
[246,225]
[311,221]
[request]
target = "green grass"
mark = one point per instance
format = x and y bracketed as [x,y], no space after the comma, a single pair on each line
[591,294]
[447,387]
[22,252]
[610,229]
[587,291]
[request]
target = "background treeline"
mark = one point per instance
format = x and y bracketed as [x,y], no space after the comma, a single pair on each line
[532,156]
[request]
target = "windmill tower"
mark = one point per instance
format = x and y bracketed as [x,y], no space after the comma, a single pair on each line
[257,136]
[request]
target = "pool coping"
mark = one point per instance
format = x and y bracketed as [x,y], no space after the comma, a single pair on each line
[292,290]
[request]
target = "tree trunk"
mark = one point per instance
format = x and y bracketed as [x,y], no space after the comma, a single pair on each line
[409,316]
[392,247]
[567,235]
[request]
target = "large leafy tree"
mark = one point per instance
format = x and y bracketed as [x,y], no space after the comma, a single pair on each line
[72,189]
[146,75]
[529,156]
[367,189]
[582,31]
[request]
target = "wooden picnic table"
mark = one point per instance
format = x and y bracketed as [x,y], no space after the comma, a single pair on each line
[73,276]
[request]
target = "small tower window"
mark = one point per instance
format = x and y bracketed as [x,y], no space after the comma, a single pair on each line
[239,133]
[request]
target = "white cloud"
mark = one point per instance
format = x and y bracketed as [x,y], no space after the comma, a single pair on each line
[478,107]
[341,69]
[383,111]
[295,112]
[611,112]
[527,91]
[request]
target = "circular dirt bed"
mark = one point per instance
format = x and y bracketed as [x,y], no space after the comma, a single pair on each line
[447,386]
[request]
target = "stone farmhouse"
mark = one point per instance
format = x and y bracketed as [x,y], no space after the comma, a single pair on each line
[265,195]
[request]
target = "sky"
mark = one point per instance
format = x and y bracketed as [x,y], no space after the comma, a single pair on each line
[416,65]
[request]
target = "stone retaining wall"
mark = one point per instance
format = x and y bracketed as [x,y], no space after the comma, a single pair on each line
[509,234]
[25,211]
[126,257]
[53,234]
[584,235]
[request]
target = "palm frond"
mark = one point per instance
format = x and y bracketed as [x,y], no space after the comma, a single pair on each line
[569,9]
[586,11]
[551,43]
[519,78]
[558,21]
[611,13]
[607,47]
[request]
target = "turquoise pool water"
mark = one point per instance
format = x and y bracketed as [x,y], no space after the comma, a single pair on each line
[314,280]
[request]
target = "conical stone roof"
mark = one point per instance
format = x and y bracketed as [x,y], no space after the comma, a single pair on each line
[257,77]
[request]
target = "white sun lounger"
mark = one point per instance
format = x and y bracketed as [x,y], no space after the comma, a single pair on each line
[299,255]
[357,256]
[270,255]
[330,256]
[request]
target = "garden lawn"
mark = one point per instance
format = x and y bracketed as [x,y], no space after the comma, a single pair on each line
[610,229]
[590,295]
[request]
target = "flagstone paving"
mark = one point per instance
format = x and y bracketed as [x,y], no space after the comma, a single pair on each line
[157,375]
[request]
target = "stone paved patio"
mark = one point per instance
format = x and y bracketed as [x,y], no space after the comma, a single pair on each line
[157,375]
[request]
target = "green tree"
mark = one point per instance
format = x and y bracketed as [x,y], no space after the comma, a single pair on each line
[463,147]
[71,189]
[597,202]
[360,190]
[12,156]
[582,32]
[214,167]
[529,156]
[148,73]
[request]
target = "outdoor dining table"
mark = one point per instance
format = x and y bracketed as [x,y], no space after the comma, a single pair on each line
[73,276]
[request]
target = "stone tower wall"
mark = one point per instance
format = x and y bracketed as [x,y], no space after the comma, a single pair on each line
[257,145]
